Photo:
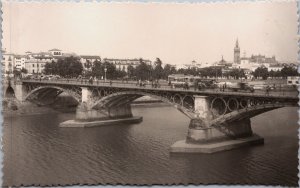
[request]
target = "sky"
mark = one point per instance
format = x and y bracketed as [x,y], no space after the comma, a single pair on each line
[177,33]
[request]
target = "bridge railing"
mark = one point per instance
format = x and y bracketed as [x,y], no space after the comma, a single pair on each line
[287,92]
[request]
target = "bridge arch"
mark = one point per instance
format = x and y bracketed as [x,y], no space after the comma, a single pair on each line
[121,98]
[249,112]
[50,93]
[9,92]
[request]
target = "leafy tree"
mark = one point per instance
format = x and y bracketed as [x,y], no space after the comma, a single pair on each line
[88,64]
[111,72]
[23,70]
[97,69]
[288,71]
[261,72]
[168,69]
[17,73]
[67,67]
[143,70]
[50,68]
[235,73]
[158,71]
[210,71]
[131,71]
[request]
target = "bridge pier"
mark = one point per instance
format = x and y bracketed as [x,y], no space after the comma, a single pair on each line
[202,137]
[85,113]
[86,116]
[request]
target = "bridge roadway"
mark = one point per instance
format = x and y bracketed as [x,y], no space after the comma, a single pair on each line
[283,93]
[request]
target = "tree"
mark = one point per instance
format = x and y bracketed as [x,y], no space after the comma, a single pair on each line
[67,67]
[288,71]
[23,70]
[50,68]
[143,70]
[97,69]
[88,64]
[158,71]
[17,73]
[235,73]
[210,71]
[168,70]
[111,71]
[261,72]
[131,71]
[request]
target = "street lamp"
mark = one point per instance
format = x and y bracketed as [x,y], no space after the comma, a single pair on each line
[105,69]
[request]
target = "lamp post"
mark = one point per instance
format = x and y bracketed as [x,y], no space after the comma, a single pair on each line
[105,69]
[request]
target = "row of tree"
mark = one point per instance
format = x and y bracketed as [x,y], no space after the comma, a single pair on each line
[262,72]
[72,67]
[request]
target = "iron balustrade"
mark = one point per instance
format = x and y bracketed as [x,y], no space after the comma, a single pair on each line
[287,92]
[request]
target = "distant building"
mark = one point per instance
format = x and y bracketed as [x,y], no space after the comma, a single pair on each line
[55,52]
[275,68]
[87,60]
[20,61]
[261,59]
[223,63]
[123,64]
[8,63]
[236,53]
[35,62]
[36,66]
[193,64]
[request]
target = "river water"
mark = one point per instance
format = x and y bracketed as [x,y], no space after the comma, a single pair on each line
[38,152]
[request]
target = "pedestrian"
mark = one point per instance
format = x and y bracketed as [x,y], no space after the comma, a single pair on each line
[110,83]
[267,90]
[195,85]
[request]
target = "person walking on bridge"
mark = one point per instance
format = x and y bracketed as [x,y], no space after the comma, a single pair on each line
[267,90]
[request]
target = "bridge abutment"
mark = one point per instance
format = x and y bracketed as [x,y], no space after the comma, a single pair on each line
[203,137]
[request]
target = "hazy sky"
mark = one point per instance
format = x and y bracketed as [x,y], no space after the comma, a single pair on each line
[177,33]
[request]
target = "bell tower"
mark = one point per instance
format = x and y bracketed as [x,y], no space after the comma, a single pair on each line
[236,58]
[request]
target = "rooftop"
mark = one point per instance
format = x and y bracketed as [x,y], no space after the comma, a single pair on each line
[54,49]
[90,57]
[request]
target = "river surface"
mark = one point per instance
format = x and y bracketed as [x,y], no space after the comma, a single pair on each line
[38,152]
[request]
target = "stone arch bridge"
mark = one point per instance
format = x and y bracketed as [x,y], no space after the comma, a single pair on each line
[214,115]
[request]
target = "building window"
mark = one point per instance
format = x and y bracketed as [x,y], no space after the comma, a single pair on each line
[32,65]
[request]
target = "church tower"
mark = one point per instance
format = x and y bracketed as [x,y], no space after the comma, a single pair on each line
[237,59]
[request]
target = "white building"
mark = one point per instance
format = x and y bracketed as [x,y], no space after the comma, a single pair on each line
[20,61]
[36,66]
[8,63]
[275,68]
[55,52]
[123,64]
[86,59]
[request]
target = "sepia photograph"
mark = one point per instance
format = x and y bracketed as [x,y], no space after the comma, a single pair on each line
[152,93]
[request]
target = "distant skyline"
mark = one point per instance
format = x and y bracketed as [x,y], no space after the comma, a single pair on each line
[176,33]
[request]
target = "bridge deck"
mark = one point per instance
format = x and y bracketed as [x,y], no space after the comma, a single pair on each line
[293,94]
